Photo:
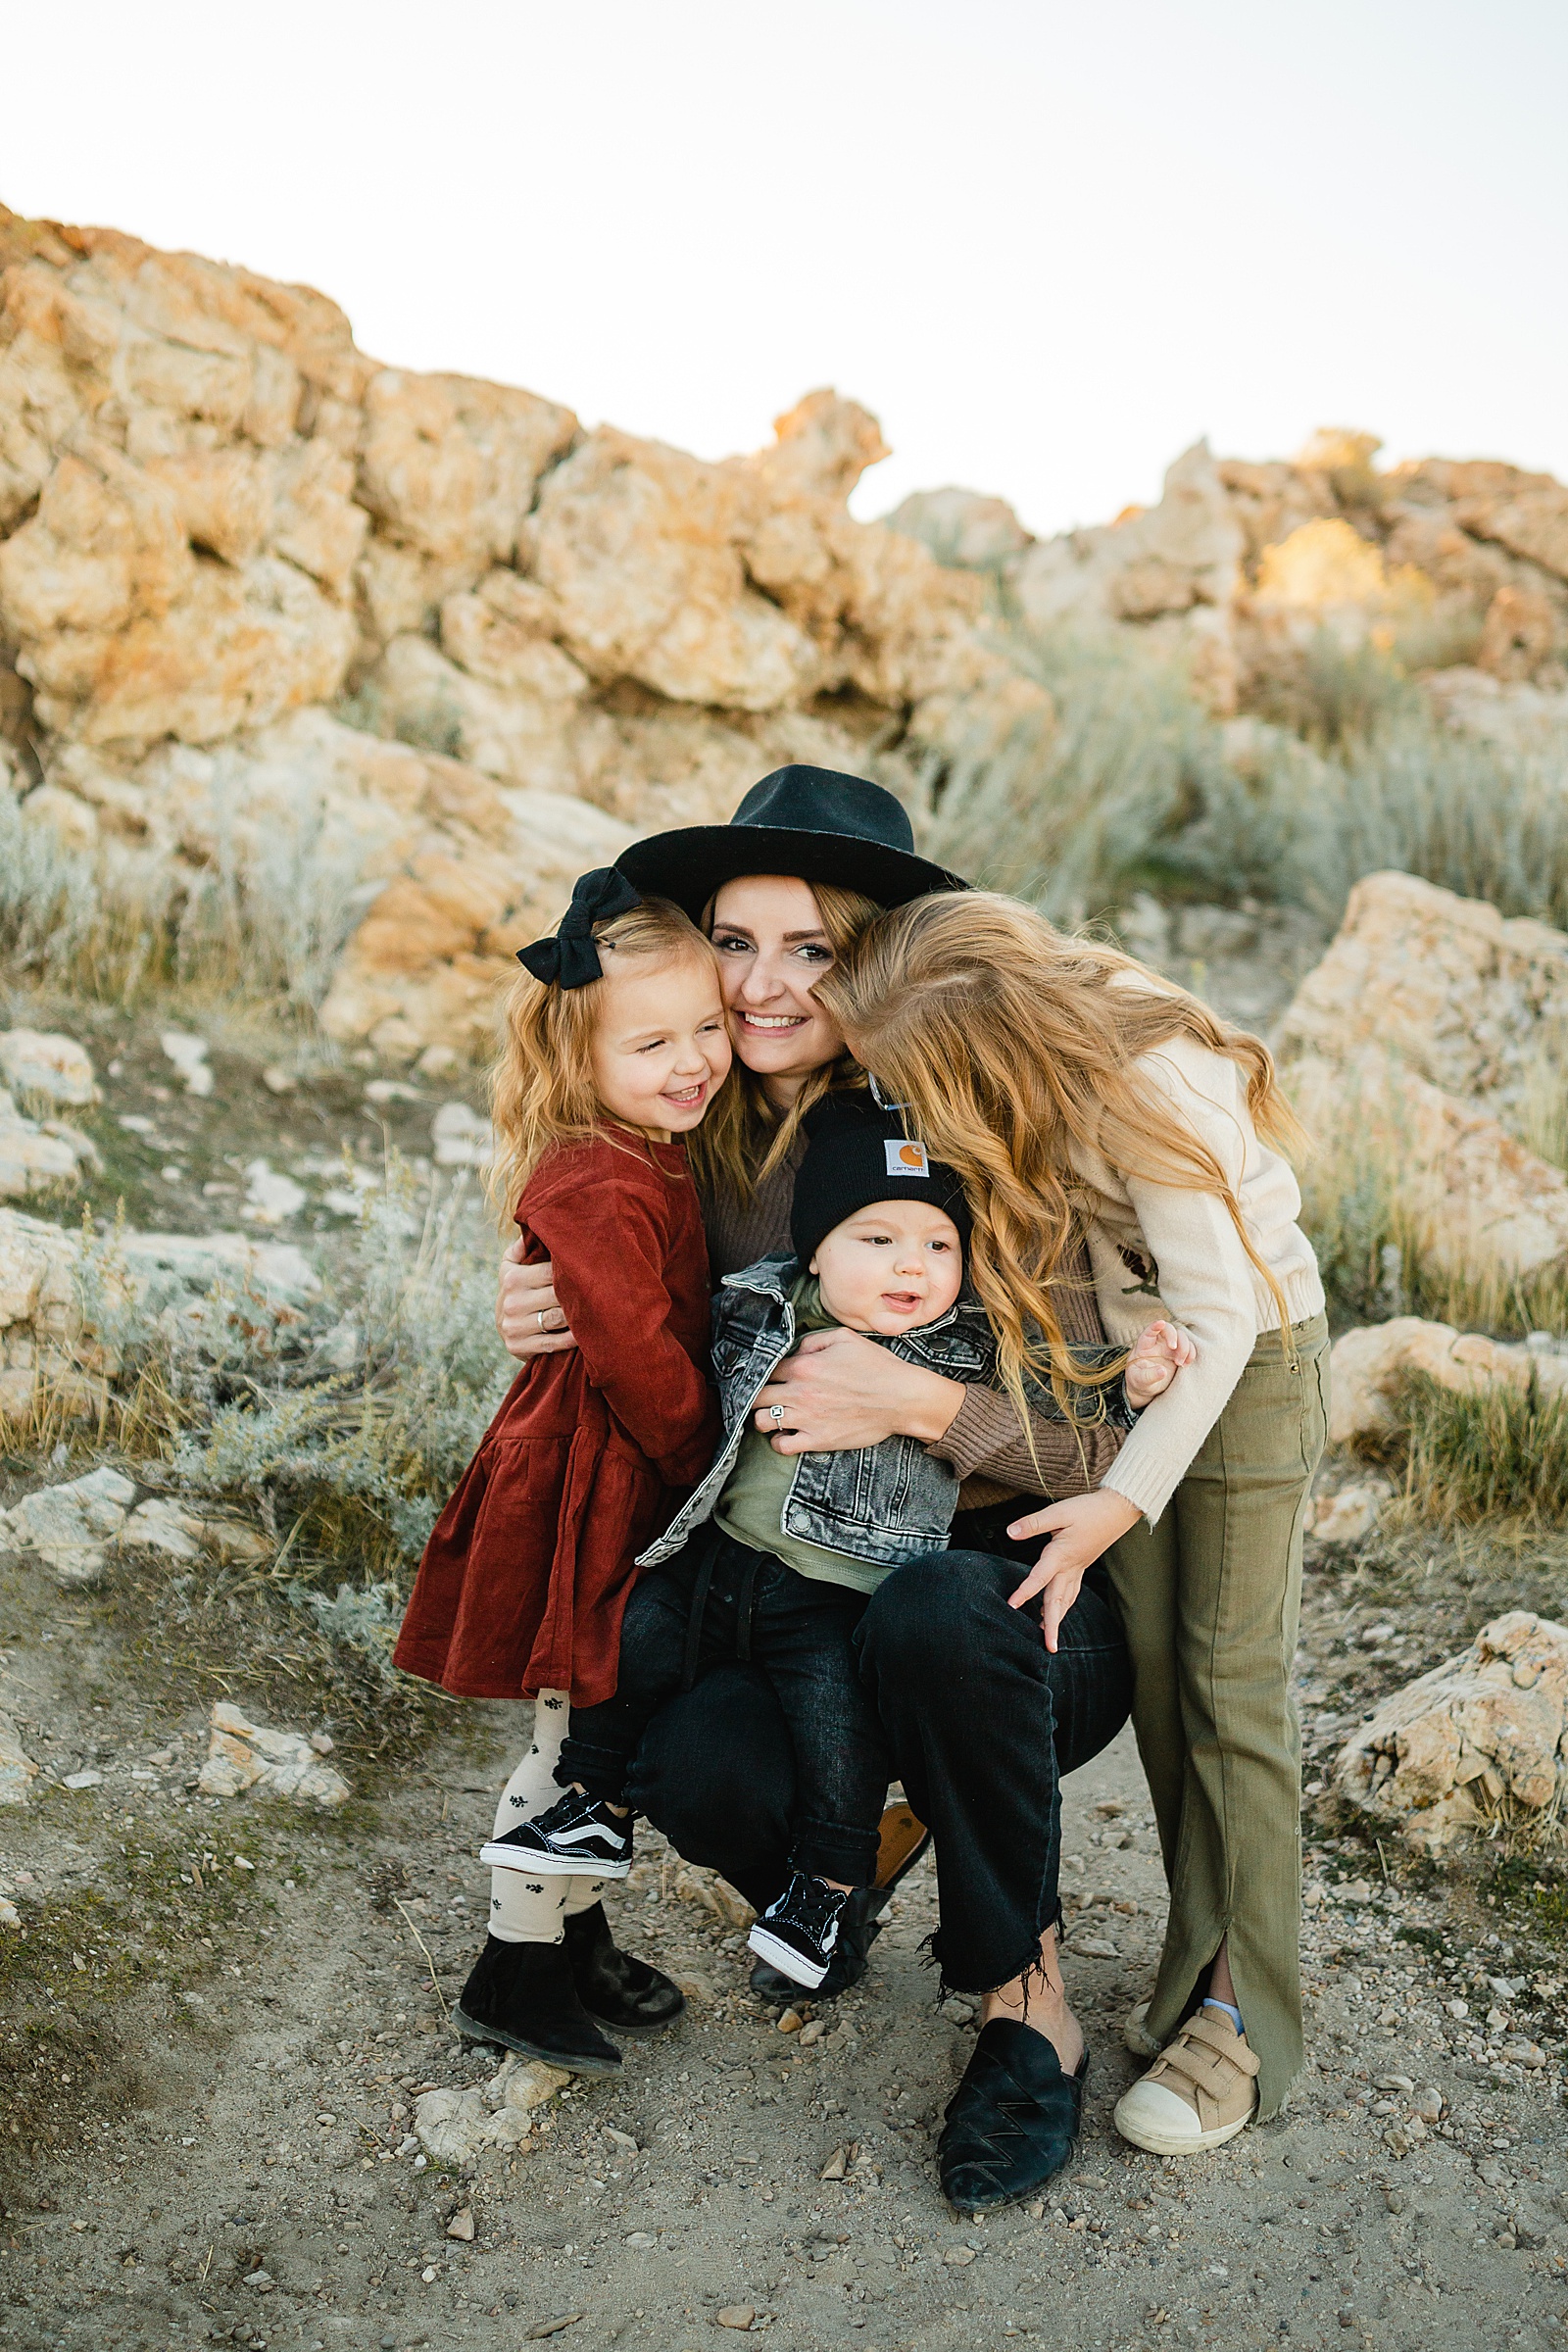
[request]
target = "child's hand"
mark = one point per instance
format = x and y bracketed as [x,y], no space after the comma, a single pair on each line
[1161,1351]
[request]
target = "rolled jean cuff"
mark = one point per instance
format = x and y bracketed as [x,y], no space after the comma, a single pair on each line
[602,1771]
[832,1849]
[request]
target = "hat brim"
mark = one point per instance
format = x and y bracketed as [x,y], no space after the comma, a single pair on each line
[688,865]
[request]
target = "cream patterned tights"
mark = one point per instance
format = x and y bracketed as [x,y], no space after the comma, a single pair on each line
[525,1909]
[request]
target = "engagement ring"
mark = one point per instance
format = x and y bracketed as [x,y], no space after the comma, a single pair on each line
[775,1413]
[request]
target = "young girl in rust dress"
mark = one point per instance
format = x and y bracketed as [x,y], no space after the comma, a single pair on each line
[616,1042]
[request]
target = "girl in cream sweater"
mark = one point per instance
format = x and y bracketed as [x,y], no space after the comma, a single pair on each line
[1074,1090]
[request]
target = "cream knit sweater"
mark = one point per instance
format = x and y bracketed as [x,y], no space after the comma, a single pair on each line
[1158,1249]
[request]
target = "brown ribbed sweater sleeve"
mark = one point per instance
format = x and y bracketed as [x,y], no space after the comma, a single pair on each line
[985,1445]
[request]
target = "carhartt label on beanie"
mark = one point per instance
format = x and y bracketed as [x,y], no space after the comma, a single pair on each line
[856,1155]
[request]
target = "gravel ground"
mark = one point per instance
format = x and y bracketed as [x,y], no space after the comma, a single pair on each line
[219,2015]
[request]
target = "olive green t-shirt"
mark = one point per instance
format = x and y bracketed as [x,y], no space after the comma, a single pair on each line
[751,1507]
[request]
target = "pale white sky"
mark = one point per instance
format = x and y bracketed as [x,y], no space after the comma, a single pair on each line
[1048,244]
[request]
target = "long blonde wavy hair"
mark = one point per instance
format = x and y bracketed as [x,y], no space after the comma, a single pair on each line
[1008,1042]
[542,1082]
[744,1138]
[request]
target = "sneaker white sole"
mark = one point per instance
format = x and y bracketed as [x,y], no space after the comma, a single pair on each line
[580,1866]
[1158,2141]
[786,1959]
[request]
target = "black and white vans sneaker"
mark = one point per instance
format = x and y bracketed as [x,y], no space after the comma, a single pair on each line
[579,1833]
[799,1931]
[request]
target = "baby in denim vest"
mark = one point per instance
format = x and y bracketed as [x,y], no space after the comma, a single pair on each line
[774,1556]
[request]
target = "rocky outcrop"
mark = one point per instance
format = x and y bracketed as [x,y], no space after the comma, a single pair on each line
[1482,1734]
[1239,568]
[1429,1036]
[218,518]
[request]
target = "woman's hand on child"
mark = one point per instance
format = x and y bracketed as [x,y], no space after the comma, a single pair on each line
[527,1317]
[1080,1529]
[1153,1363]
[839,1391]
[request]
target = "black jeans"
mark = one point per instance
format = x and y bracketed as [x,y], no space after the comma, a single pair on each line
[719,1600]
[982,1722]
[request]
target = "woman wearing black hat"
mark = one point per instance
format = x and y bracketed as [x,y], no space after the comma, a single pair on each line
[809,858]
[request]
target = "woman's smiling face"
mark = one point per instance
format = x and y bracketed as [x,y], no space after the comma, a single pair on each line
[773,950]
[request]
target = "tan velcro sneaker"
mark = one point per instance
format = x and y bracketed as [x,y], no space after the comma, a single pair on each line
[1201,2090]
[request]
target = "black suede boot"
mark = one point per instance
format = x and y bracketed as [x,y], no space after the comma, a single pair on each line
[522,1996]
[859,1929]
[626,1995]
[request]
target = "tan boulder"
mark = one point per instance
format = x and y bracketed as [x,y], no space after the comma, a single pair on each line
[1476,1201]
[42,1064]
[1422,1044]
[1470,1000]
[1483,1732]
[964,528]
[1171,570]
[1368,1366]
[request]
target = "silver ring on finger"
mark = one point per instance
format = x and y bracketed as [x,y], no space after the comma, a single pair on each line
[539,1318]
[775,1413]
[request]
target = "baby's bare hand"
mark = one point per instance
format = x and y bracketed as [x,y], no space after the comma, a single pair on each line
[1161,1353]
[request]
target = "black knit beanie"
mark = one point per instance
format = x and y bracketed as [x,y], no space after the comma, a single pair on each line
[857,1155]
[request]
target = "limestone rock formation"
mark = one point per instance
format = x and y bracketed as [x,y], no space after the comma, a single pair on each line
[1239,568]
[70,1526]
[36,1156]
[41,1064]
[1485,1731]
[1426,1037]
[223,529]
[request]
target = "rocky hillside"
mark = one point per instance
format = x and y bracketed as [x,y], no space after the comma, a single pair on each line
[1459,566]
[386,658]
[454,647]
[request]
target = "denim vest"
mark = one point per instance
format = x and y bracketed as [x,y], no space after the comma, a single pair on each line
[885,1503]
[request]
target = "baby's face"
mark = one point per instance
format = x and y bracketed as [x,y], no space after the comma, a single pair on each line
[890,1267]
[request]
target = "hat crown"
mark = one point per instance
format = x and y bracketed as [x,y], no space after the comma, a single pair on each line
[822,800]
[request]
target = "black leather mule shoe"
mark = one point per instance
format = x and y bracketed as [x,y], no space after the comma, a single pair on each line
[1012,2122]
[626,1995]
[522,1996]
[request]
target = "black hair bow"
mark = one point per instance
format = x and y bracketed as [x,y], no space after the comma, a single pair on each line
[571,960]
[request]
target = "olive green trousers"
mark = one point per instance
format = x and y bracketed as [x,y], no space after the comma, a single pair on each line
[1211,1598]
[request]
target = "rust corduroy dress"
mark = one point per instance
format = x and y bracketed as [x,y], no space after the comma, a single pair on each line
[528,1572]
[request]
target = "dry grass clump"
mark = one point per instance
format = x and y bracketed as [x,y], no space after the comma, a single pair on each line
[1502,1454]
[1139,788]
[340,1430]
[348,1446]
[266,921]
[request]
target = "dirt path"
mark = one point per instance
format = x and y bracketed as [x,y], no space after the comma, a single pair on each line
[213,2064]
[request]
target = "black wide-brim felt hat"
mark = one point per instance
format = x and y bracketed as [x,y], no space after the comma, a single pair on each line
[809,822]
